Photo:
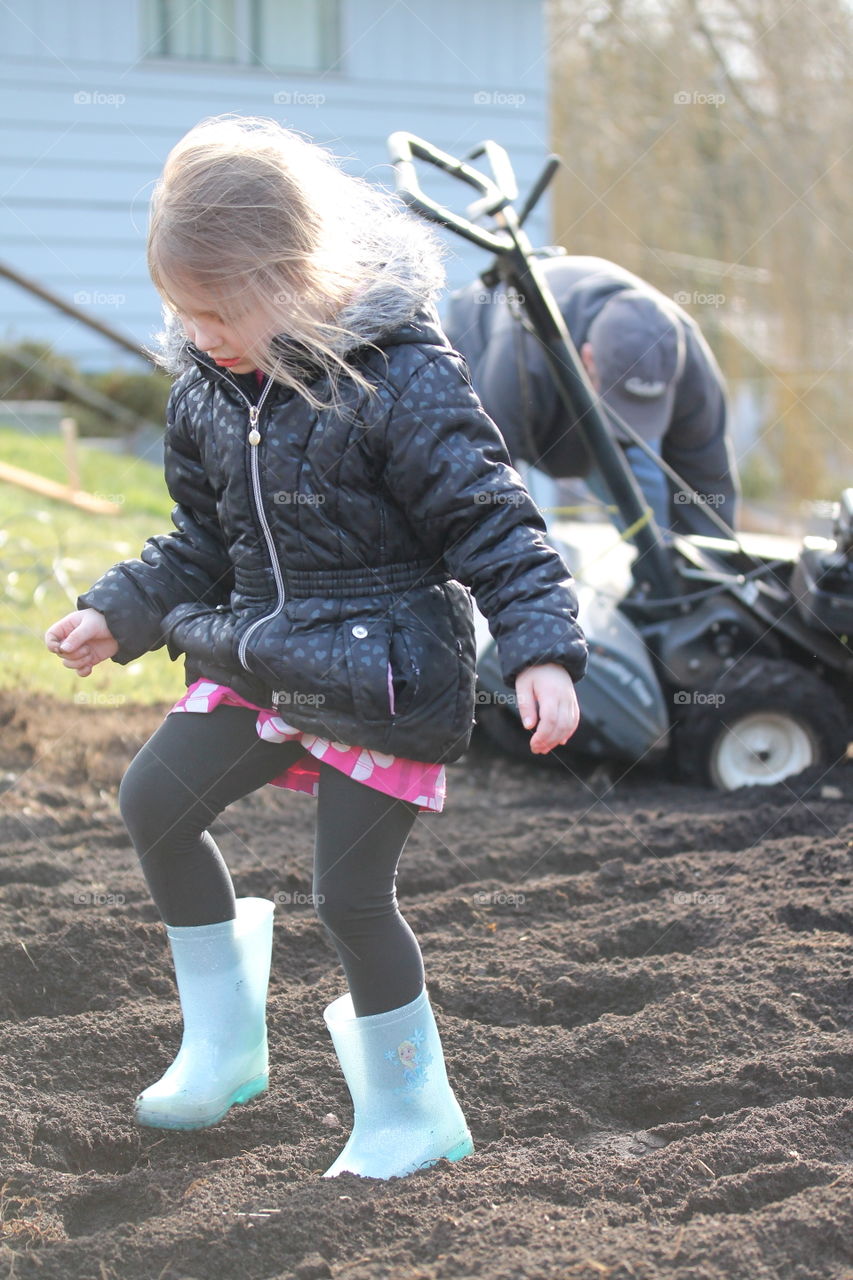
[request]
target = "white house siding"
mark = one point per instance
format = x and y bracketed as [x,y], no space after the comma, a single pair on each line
[86,122]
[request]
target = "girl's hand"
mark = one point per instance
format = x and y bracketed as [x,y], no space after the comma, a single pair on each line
[82,639]
[546,693]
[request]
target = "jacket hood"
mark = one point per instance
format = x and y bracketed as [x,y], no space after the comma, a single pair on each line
[400,299]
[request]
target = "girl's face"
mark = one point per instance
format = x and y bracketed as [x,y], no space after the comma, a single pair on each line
[205,328]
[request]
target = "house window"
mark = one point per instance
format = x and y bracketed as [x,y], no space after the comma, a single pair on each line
[285,35]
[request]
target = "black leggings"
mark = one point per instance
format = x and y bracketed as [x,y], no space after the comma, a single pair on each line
[198,763]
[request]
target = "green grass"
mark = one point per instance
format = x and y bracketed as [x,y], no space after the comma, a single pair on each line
[50,552]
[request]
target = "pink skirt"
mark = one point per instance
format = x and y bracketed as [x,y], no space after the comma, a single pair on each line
[423,784]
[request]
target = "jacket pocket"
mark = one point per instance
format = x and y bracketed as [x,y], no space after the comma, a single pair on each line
[404,669]
[367,642]
[425,660]
[305,662]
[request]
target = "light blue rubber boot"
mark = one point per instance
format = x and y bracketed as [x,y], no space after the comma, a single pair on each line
[222,972]
[406,1114]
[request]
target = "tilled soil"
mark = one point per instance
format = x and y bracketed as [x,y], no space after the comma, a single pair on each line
[644,993]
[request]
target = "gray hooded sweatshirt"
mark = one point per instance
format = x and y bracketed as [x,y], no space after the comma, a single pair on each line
[514,383]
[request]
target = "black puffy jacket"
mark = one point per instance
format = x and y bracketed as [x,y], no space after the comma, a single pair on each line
[321,563]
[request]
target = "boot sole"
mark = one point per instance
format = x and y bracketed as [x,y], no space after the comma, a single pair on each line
[163,1120]
[463,1148]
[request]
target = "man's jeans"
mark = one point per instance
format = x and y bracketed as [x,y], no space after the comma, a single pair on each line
[652,481]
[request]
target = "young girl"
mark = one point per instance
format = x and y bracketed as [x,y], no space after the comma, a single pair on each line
[338,489]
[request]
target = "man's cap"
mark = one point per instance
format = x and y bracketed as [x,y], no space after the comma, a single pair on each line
[638,349]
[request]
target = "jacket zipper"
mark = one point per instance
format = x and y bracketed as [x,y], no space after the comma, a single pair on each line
[254,441]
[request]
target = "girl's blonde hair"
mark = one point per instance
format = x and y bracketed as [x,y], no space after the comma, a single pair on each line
[270,226]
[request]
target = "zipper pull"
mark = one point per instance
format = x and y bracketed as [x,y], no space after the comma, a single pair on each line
[254,434]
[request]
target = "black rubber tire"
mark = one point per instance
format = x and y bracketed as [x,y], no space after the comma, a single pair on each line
[756,685]
[505,731]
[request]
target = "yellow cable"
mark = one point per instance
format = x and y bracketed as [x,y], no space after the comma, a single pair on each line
[637,525]
[624,536]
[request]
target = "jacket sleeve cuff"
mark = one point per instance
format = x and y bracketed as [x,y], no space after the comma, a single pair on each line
[540,640]
[202,633]
[135,630]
